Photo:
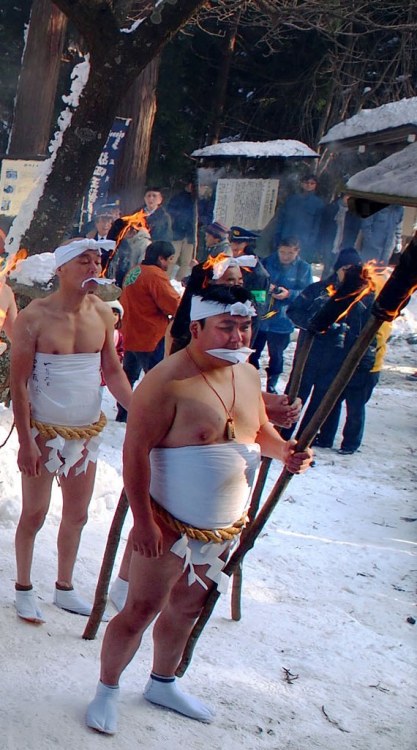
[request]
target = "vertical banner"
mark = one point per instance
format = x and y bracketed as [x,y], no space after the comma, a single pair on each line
[104,170]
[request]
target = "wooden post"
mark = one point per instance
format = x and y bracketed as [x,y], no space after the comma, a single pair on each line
[113,539]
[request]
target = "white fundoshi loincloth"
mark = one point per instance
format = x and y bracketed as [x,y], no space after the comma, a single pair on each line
[208,487]
[64,389]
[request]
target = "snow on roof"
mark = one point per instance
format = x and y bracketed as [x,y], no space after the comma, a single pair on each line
[392,115]
[393,177]
[255,149]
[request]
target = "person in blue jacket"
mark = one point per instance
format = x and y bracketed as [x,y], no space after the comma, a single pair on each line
[289,275]
[300,216]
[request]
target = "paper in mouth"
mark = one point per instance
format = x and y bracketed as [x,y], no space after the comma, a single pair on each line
[234,356]
[99,280]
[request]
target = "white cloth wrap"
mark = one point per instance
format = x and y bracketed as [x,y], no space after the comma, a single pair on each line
[64,389]
[65,253]
[242,261]
[208,487]
[201,308]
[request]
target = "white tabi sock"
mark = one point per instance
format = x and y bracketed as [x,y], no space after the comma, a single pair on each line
[71,602]
[165,692]
[26,607]
[102,712]
[118,593]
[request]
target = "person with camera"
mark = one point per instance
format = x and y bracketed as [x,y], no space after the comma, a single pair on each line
[328,352]
[289,275]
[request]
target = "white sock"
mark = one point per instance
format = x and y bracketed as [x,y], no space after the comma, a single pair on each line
[118,593]
[26,607]
[165,692]
[71,602]
[102,711]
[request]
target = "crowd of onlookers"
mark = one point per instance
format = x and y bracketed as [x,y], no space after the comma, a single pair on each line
[167,252]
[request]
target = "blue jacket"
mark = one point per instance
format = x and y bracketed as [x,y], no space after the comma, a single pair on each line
[294,277]
[381,234]
[300,217]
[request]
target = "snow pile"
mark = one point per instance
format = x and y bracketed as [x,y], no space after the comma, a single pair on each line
[394,176]
[391,115]
[35,269]
[256,149]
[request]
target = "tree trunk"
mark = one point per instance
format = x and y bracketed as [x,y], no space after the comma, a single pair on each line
[139,104]
[220,89]
[116,59]
[38,81]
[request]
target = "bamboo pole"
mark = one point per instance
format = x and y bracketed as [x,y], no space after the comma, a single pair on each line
[113,539]
[302,351]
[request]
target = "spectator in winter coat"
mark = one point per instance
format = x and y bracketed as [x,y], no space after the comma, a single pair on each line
[339,228]
[148,299]
[217,239]
[300,217]
[181,208]
[381,234]
[289,275]
[157,217]
[328,352]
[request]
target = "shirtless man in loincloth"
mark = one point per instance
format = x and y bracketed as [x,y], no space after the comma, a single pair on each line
[195,432]
[60,346]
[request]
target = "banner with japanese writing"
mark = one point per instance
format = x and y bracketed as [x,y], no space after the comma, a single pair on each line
[103,172]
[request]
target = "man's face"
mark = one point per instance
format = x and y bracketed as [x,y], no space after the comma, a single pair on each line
[153,199]
[211,241]
[103,224]
[225,332]
[80,268]
[287,254]
[308,186]
[166,263]
[231,277]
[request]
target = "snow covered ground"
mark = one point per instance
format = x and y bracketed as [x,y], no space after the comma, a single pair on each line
[325,653]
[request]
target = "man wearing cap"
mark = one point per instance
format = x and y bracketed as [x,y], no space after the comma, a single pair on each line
[216,239]
[256,279]
[195,432]
[61,344]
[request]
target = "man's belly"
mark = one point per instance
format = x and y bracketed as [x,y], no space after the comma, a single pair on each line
[206,486]
[64,389]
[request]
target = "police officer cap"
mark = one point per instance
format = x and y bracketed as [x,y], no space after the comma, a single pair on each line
[239,234]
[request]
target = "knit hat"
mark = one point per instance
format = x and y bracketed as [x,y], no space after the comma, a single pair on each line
[239,234]
[347,257]
[218,230]
[115,305]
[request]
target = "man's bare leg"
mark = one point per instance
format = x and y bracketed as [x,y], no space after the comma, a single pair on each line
[170,635]
[150,582]
[36,497]
[76,496]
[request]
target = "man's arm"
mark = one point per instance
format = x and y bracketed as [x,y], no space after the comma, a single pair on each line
[273,446]
[9,310]
[113,372]
[280,411]
[151,415]
[23,350]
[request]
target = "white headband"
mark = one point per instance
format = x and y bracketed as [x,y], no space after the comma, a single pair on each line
[221,267]
[65,253]
[201,308]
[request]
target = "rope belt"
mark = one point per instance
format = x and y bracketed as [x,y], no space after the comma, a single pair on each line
[201,535]
[70,433]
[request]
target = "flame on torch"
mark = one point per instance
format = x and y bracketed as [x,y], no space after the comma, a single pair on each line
[134,221]
[11,262]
